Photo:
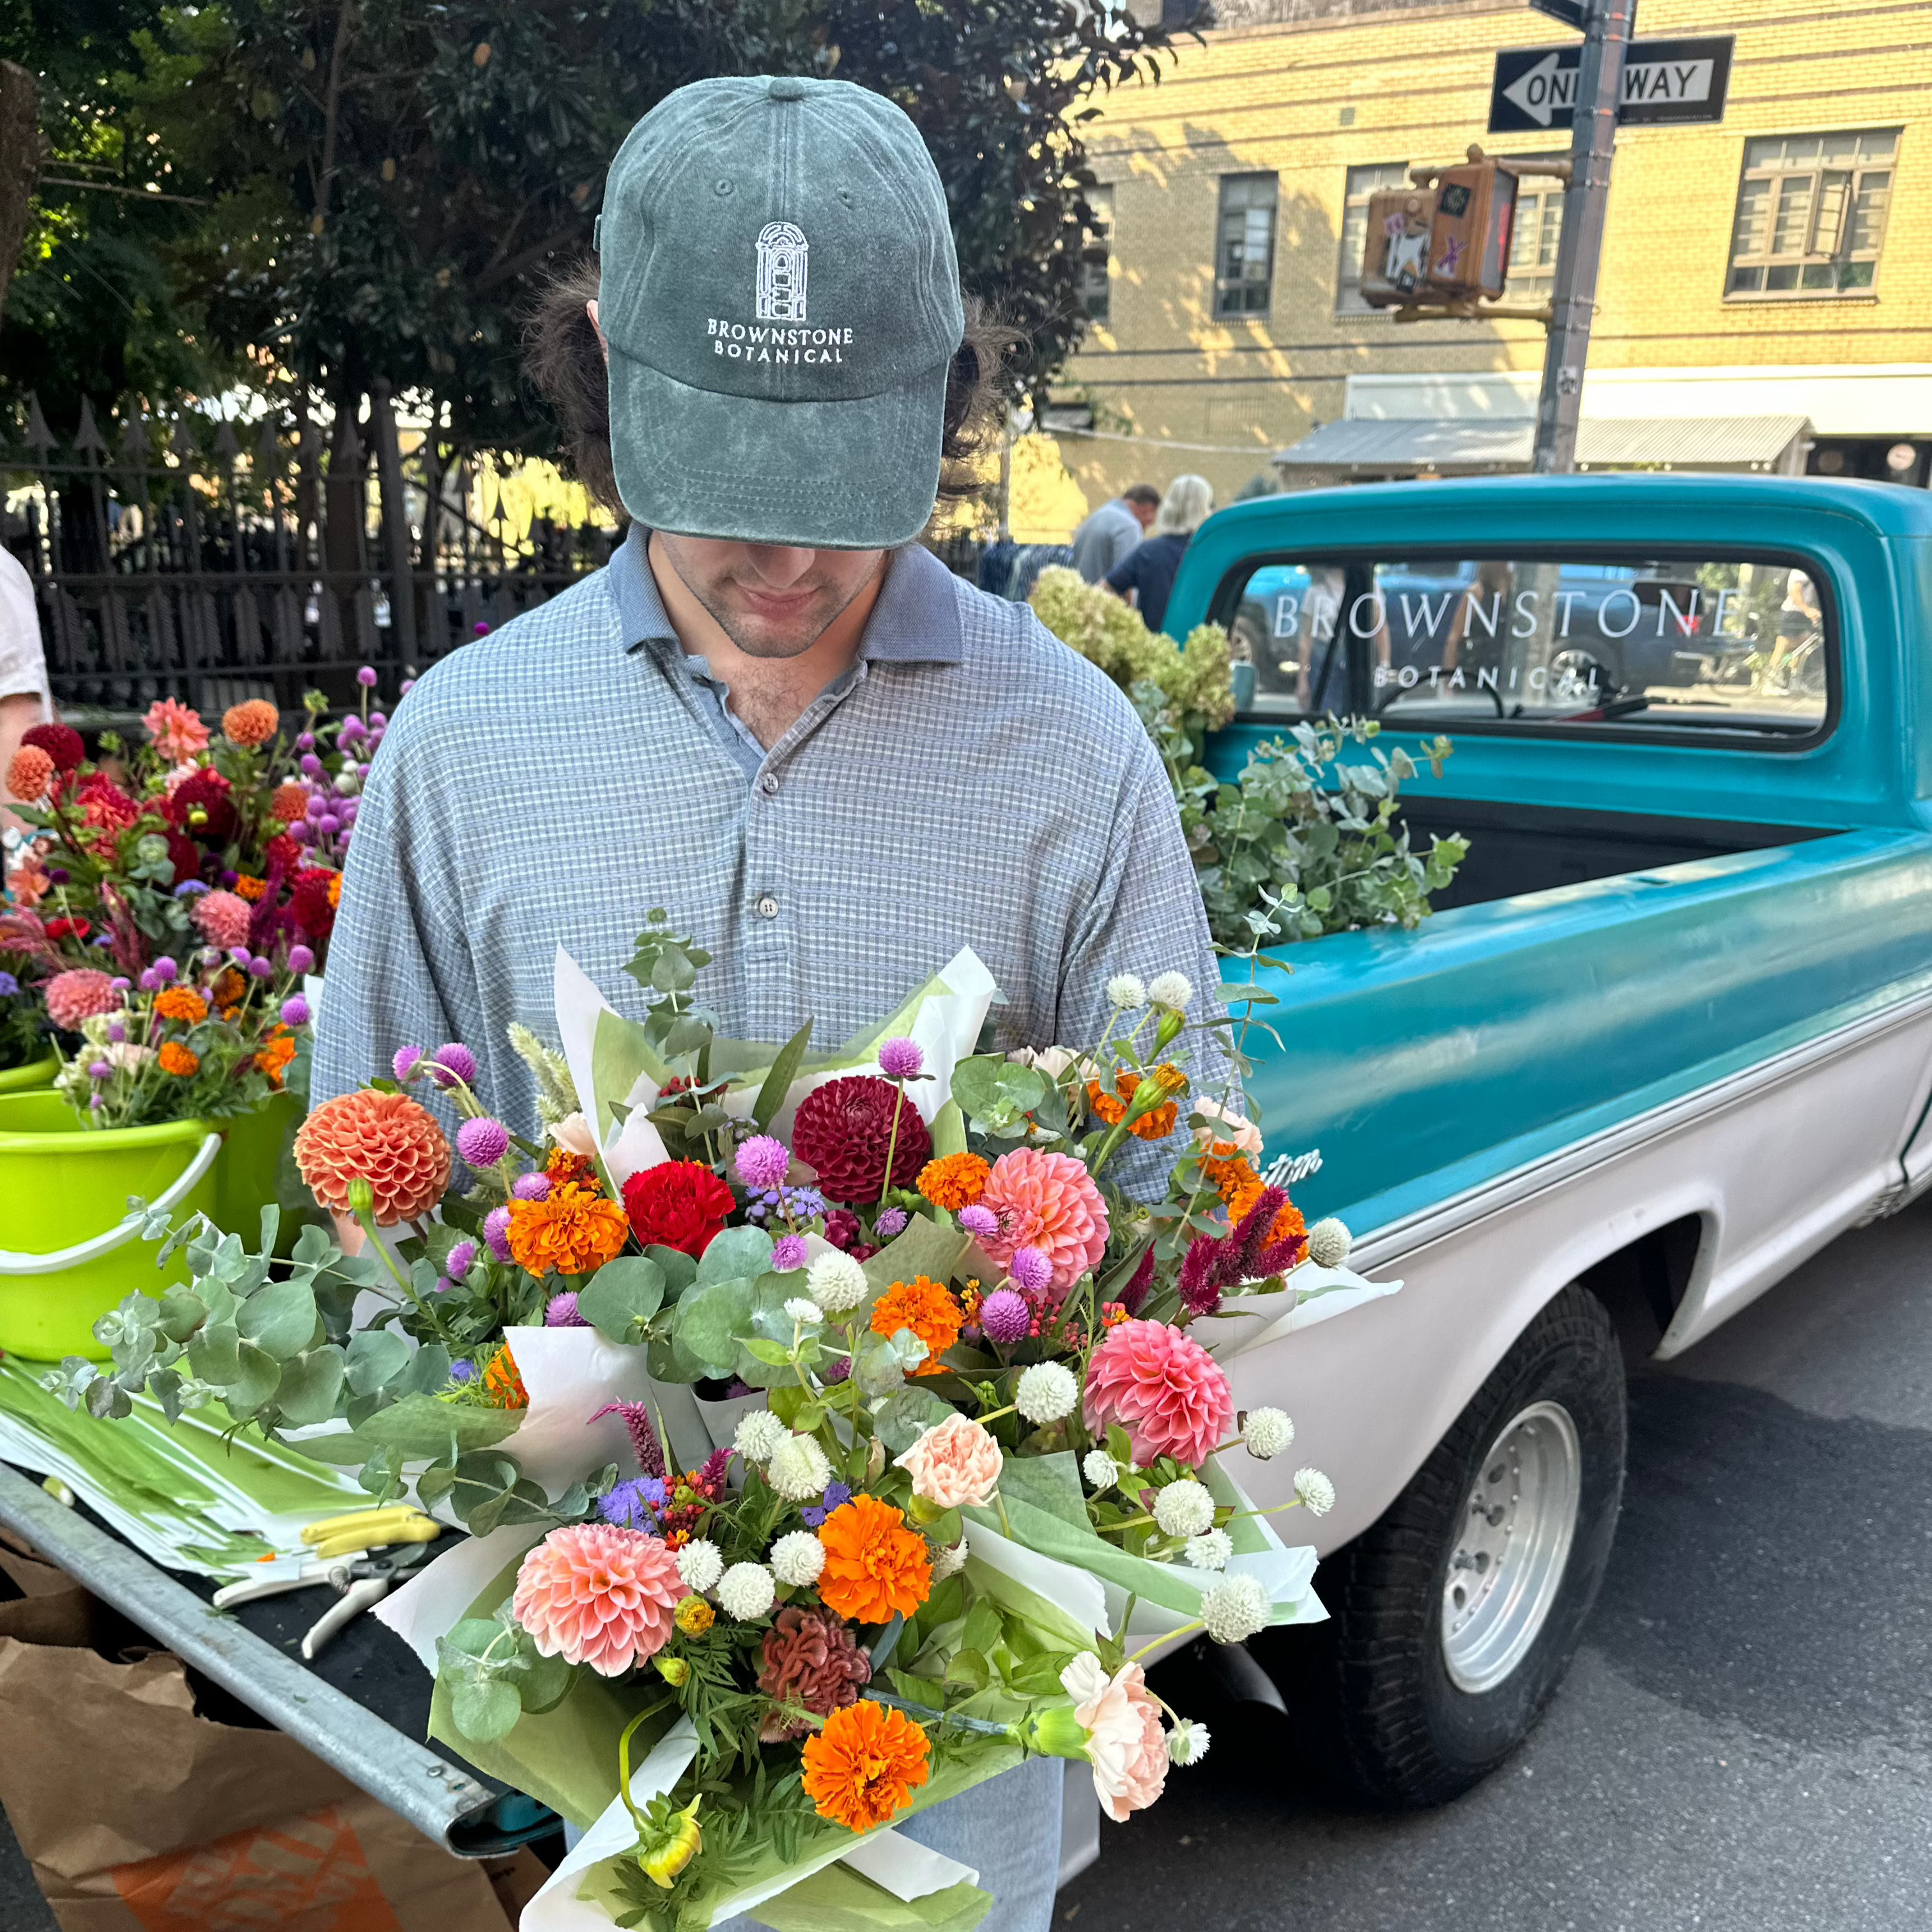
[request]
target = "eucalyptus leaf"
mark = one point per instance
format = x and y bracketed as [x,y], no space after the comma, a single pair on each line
[485,1709]
[621,1297]
[260,1375]
[280,1319]
[212,1356]
[711,1316]
[309,1386]
[375,1355]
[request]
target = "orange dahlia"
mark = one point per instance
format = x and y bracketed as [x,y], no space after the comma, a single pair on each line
[928,1310]
[861,1769]
[180,1060]
[181,1002]
[570,1231]
[290,802]
[954,1180]
[387,1139]
[875,1567]
[254,721]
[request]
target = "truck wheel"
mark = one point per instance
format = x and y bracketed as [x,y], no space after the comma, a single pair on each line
[1454,1618]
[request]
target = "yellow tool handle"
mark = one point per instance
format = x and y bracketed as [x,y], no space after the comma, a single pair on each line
[362,1520]
[351,1542]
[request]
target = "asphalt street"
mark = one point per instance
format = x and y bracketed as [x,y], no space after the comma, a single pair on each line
[1745,1742]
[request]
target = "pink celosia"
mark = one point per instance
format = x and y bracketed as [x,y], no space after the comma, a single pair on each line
[222,918]
[1126,1744]
[955,1465]
[176,730]
[1164,1388]
[79,994]
[1047,1202]
[591,1593]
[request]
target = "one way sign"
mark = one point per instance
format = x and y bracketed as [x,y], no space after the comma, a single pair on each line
[1535,88]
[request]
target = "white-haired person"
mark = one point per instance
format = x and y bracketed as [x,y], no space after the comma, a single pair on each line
[1146,575]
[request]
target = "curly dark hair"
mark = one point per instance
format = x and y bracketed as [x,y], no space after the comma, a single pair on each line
[564,363]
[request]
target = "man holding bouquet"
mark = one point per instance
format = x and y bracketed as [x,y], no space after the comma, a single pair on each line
[774,713]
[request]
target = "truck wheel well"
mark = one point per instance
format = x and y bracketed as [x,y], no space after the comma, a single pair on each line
[1642,1285]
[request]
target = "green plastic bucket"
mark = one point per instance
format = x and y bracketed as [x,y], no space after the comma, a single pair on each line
[244,1172]
[36,1073]
[68,1253]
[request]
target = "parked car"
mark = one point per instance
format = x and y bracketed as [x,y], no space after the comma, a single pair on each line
[1670,1035]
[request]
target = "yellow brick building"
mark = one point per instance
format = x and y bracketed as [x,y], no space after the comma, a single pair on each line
[1775,269]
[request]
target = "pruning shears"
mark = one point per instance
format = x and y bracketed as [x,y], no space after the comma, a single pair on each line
[360,1582]
[370,1529]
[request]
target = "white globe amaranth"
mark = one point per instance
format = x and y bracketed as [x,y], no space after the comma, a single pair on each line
[758,1434]
[1125,991]
[746,1591]
[1266,1432]
[1329,1242]
[838,1283]
[1211,1550]
[949,1560]
[801,1308]
[1185,1508]
[1171,990]
[1100,1469]
[1047,1393]
[1234,1608]
[1187,1743]
[798,1470]
[700,1565]
[797,1558]
[1316,1491]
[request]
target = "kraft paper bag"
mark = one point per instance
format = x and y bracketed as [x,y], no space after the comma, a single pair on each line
[138,1815]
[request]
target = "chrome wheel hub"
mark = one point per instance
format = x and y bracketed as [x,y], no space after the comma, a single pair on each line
[1517,1525]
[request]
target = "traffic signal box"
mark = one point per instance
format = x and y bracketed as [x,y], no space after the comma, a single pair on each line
[1445,240]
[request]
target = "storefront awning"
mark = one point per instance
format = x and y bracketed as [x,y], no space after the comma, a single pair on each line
[1382,446]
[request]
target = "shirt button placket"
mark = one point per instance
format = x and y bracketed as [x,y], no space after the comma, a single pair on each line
[767,906]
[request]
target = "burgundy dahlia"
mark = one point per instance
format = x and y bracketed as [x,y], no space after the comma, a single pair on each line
[61,743]
[843,1130]
[200,806]
[809,1659]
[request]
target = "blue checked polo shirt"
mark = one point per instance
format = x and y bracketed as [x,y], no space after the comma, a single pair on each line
[970,781]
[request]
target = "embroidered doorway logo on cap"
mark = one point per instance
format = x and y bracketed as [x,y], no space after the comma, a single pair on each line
[781,265]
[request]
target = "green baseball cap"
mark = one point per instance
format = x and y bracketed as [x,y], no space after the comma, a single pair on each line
[781,297]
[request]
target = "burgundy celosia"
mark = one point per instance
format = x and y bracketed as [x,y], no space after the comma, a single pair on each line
[1212,1268]
[810,1659]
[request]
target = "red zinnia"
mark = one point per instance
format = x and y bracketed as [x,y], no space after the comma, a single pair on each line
[678,1204]
[310,901]
[201,807]
[282,851]
[61,743]
[843,1130]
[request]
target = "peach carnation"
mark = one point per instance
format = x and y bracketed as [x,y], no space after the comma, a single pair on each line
[175,729]
[1231,1133]
[1164,1388]
[1047,1202]
[591,1593]
[1126,1744]
[388,1140]
[222,918]
[955,1464]
[253,721]
[78,994]
[30,774]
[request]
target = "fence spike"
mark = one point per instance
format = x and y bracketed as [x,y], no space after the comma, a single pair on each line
[40,438]
[87,439]
[134,443]
[180,444]
[226,447]
[268,448]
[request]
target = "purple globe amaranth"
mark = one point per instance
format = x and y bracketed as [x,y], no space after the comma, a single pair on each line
[901,1059]
[1031,1271]
[295,1011]
[788,1252]
[404,1064]
[301,959]
[530,1187]
[453,1062]
[483,1142]
[496,1232]
[462,1259]
[1005,1317]
[891,1222]
[561,1312]
[981,1223]
[763,1162]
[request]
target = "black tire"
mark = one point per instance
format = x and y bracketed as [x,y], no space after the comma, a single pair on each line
[1373,1683]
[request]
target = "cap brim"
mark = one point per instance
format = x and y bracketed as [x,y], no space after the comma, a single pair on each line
[857,473]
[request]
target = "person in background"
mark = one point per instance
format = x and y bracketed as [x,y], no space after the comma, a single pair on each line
[1105,541]
[1148,571]
[25,701]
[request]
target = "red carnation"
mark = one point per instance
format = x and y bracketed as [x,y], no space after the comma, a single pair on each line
[309,901]
[61,743]
[843,1128]
[201,807]
[678,1204]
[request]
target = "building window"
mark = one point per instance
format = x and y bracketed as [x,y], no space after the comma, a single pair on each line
[1811,213]
[1534,240]
[1363,182]
[1096,244]
[1244,253]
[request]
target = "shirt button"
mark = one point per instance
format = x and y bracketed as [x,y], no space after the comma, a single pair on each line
[769,784]
[768,907]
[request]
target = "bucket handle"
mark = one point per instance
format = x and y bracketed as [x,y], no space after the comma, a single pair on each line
[92,1249]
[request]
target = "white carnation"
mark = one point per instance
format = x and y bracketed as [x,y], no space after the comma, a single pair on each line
[800,1309]
[1187,1743]
[1100,1469]
[798,1558]
[948,1561]
[758,1434]
[1125,991]
[745,1591]
[1329,1242]
[1316,1491]
[1046,1393]
[1235,1608]
[1172,990]
[798,1470]
[838,1282]
[1266,1432]
[1185,1508]
[1210,1550]
[700,1565]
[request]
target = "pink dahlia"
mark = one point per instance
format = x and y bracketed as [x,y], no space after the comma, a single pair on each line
[222,918]
[1046,1201]
[176,730]
[79,994]
[1164,1388]
[591,1593]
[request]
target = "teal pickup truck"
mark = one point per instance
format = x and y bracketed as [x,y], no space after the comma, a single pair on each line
[1668,1035]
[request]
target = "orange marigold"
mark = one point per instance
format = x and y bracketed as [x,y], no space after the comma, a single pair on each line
[576,1170]
[228,988]
[248,886]
[181,1002]
[1111,1107]
[862,1768]
[875,1567]
[253,721]
[273,1058]
[1230,1177]
[928,1310]
[503,1383]
[1288,1224]
[954,1180]
[571,1232]
[180,1060]
[335,889]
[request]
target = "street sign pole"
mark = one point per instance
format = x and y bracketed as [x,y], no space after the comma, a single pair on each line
[1600,81]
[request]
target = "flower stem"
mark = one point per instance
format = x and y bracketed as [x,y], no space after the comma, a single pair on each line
[1166,1637]
[624,1761]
